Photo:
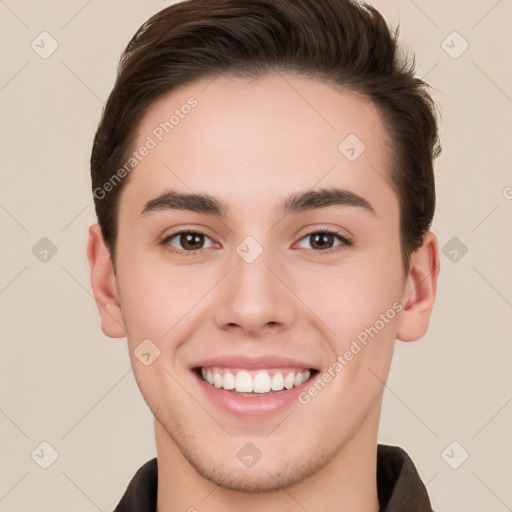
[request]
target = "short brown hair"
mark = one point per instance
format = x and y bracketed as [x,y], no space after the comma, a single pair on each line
[337,41]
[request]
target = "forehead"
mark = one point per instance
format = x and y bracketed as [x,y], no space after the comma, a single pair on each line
[251,139]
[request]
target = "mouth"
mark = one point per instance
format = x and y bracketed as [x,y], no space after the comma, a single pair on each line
[254,382]
[252,387]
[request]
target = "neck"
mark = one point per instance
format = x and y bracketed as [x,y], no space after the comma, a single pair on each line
[348,480]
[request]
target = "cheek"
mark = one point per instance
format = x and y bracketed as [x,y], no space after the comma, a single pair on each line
[348,299]
[156,298]
[146,298]
[358,309]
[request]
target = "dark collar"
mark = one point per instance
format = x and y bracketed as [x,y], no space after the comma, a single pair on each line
[399,486]
[398,483]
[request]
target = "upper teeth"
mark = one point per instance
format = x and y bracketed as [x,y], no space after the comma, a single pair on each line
[261,382]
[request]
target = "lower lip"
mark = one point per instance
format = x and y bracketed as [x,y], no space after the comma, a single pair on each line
[256,406]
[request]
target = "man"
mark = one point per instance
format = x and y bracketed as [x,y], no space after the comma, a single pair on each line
[263,181]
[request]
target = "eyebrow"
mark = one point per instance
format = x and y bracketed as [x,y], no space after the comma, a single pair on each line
[294,203]
[201,203]
[322,198]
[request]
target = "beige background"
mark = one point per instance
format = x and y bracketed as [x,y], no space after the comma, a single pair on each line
[62,381]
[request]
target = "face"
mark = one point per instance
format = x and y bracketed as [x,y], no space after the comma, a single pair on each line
[258,249]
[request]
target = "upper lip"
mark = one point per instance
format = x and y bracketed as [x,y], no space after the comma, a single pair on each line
[251,363]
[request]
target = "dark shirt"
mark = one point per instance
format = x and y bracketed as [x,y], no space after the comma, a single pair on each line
[399,486]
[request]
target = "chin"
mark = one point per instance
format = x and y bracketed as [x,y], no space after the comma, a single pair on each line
[279,469]
[266,478]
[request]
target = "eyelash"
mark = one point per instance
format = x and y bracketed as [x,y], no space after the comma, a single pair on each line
[345,242]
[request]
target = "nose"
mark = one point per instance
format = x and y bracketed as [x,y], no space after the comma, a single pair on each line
[255,298]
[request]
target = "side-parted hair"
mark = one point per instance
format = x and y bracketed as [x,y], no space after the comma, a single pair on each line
[342,42]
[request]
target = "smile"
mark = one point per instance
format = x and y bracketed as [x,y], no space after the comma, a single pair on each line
[259,381]
[246,387]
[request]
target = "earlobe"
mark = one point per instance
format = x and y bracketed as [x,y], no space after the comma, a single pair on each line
[420,291]
[104,285]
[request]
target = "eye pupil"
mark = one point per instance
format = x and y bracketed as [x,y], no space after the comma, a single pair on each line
[191,240]
[321,240]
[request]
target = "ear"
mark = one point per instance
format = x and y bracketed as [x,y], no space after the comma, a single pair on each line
[419,291]
[104,286]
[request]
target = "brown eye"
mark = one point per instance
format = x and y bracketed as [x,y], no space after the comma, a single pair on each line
[189,241]
[323,241]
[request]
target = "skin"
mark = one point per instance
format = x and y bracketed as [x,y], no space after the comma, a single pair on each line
[251,143]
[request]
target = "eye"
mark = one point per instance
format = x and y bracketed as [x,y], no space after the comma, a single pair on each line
[189,241]
[323,241]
